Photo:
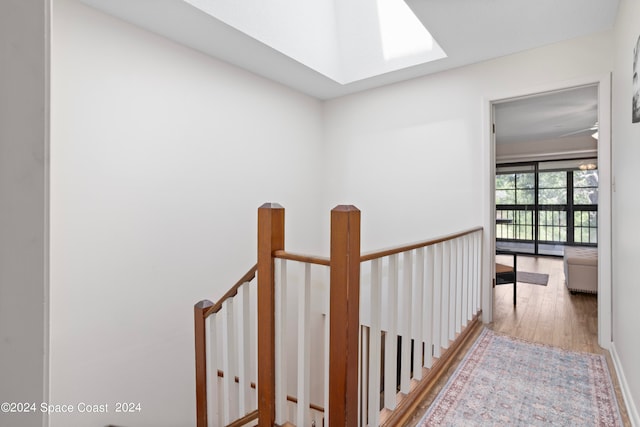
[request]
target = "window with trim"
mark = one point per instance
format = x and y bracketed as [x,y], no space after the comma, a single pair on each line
[585,203]
[542,206]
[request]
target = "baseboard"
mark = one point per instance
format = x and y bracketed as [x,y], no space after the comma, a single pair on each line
[624,387]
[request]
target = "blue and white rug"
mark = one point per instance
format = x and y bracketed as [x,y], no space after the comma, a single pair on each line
[509,381]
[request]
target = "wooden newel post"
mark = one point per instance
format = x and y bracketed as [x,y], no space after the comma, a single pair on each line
[201,361]
[344,324]
[270,239]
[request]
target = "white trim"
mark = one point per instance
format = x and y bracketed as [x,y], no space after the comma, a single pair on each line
[556,155]
[605,332]
[604,218]
[46,371]
[632,411]
[489,249]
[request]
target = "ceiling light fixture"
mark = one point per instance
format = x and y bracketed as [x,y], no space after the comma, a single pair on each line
[587,166]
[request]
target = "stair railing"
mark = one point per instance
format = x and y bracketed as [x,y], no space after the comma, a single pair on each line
[416,300]
[223,348]
[363,334]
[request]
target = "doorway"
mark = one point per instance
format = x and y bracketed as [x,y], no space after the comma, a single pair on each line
[601,89]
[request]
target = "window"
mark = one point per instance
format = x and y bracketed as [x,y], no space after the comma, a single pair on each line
[542,206]
[552,225]
[585,202]
[585,228]
[552,188]
[515,189]
[585,187]
[515,196]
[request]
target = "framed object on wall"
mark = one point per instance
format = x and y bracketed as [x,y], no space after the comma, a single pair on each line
[635,100]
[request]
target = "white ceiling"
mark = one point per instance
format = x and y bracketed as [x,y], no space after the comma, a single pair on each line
[556,115]
[468,30]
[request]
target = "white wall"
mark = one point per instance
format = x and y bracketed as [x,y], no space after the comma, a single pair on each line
[160,159]
[411,155]
[23,205]
[626,204]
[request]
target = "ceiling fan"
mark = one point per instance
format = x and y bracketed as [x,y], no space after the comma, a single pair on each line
[593,128]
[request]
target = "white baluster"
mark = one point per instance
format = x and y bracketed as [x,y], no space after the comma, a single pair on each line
[229,354]
[478,271]
[453,282]
[405,311]
[363,369]
[474,277]
[304,348]
[417,311]
[244,346]
[212,372]
[391,337]
[444,306]
[427,329]
[459,283]
[375,347]
[280,342]
[470,300]
[437,287]
[253,291]
[467,300]
[327,304]
[465,279]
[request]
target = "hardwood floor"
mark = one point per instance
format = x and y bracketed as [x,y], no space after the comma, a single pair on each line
[545,314]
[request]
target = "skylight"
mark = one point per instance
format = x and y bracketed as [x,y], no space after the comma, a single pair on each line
[401,32]
[346,41]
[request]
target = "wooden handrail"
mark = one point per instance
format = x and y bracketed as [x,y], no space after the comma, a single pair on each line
[249,276]
[368,256]
[244,420]
[309,259]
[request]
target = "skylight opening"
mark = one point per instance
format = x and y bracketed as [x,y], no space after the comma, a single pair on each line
[402,33]
[345,41]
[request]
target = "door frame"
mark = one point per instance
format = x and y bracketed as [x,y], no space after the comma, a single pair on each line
[603,83]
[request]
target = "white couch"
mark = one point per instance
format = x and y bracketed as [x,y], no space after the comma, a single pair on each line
[581,269]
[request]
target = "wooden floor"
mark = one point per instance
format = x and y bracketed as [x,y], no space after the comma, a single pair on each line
[545,314]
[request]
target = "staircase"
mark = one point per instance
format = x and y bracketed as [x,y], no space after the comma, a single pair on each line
[349,340]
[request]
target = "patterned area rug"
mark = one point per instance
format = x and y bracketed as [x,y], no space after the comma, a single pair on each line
[508,381]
